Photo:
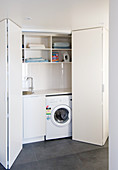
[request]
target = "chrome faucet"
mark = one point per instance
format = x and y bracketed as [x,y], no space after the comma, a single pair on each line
[29,81]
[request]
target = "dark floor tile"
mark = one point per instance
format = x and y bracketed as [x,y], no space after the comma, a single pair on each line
[94,166]
[49,143]
[91,160]
[95,159]
[52,150]
[57,148]
[26,156]
[64,154]
[78,147]
[1,167]
[98,154]
[27,166]
[29,146]
[61,163]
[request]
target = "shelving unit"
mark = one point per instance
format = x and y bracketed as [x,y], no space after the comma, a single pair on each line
[36,55]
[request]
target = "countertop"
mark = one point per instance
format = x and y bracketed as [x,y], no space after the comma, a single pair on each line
[49,92]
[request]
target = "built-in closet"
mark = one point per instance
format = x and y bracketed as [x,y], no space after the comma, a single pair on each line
[81,66]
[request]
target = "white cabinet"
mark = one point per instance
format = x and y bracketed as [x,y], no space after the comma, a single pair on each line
[34,118]
[90,85]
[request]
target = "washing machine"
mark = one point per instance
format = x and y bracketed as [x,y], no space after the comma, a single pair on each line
[58,116]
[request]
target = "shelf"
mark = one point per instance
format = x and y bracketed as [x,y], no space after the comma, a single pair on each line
[46,62]
[61,62]
[62,49]
[48,49]
[42,49]
[39,34]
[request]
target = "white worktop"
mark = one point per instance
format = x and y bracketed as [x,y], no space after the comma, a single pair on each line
[49,92]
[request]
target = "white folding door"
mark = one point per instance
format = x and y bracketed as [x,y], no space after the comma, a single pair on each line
[10,92]
[90,85]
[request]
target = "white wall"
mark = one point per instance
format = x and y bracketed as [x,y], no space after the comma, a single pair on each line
[90,13]
[3,9]
[113,85]
[56,14]
[45,14]
[48,76]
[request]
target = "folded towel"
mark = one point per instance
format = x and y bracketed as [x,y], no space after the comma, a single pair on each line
[35,46]
[61,45]
[29,61]
[36,60]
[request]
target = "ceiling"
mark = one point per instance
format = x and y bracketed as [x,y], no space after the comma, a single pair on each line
[51,14]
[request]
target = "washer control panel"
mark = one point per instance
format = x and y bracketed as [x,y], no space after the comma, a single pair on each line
[48,112]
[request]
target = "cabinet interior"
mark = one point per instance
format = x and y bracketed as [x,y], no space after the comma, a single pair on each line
[48,74]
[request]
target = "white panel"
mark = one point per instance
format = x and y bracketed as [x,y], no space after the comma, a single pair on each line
[3,93]
[113,92]
[87,86]
[15,90]
[106,84]
[34,116]
[54,75]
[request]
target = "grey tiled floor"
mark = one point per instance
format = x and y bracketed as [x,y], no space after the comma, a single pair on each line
[62,154]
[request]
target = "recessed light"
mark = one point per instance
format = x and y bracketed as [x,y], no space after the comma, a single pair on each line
[28,18]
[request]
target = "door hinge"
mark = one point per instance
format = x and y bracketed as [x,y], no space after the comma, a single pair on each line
[7,25]
[7,115]
[103,88]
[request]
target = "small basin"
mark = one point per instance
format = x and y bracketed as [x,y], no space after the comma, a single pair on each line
[27,92]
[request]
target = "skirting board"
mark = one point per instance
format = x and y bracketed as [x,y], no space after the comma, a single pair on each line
[32,140]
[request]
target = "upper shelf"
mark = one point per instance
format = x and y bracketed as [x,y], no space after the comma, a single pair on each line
[47,62]
[38,49]
[54,49]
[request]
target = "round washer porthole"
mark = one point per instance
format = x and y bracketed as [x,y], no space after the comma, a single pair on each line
[61,115]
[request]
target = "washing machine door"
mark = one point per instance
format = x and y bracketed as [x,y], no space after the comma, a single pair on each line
[61,115]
